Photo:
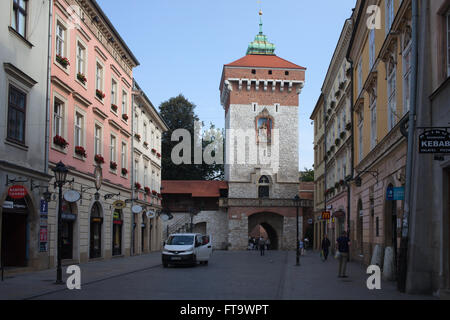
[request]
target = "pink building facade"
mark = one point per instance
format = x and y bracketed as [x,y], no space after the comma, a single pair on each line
[91,127]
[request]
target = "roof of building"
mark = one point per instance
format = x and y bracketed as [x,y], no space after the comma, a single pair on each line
[196,188]
[264,61]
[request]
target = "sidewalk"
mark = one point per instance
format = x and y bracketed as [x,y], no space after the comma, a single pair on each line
[318,280]
[33,284]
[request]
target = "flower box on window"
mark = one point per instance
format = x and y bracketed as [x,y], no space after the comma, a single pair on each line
[341,182]
[60,141]
[348,73]
[79,150]
[137,136]
[137,185]
[81,77]
[348,126]
[158,155]
[145,143]
[147,190]
[332,104]
[342,135]
[113,165]
[114,107]
[337,94]
[62,61]
[332,148]
[159,195]
[154,192]
[124,171]
[125,116]
[153,150]
[342,85]
[99,159]
[100,94]
[337,141]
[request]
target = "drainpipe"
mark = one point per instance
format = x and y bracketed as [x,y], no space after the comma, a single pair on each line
[47,111]
[133,220]
[403,254]
[352,97]
[325,166]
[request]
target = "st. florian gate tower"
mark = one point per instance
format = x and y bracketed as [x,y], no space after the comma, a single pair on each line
[260,95]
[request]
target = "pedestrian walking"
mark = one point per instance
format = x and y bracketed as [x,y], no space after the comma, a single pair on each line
[268,244]
[262,245]
[325,247]
[343,244]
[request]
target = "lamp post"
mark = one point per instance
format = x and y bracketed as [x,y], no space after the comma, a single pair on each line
[60,179]
[297,258]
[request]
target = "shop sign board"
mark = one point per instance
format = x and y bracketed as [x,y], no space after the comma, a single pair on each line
[17,192]
[434,140]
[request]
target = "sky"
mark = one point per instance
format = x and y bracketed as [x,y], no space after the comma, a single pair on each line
[182,46]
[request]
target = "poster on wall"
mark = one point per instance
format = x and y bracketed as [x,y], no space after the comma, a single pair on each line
[43,230]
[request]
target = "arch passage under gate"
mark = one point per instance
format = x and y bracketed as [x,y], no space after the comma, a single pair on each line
[272,223]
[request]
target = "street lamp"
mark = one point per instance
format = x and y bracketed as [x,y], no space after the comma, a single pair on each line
[297,205]
[60,179]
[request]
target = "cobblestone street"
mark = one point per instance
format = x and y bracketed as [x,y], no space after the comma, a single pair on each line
[241,275]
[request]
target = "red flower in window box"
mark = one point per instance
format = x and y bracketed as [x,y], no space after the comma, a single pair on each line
[63,61]
[158,155]
[125,117]
[147,190]
[114,107]
[137,136]
[154,192]
[342,182]
[60,141]
[145,143]
[79,150]
[99,159]
[137,185]
[154,150]
[124,171]
[81,77]
[100,94]
[113,165]
[159,195]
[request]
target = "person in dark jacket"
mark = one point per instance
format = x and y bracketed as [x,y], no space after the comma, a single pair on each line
[325,247]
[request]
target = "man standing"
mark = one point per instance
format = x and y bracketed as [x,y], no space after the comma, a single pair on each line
[343,244]
[262,245]
[325,247]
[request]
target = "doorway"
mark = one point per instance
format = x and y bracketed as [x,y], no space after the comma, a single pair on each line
[68,220]
[117,232]
[95,250]
[14,237]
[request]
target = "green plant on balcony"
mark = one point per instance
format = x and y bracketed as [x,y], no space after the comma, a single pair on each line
[337,142]
[343,134]
[348,126]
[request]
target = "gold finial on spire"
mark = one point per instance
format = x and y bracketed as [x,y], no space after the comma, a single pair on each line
[260,12]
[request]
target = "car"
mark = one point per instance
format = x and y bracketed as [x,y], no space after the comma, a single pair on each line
[186,249]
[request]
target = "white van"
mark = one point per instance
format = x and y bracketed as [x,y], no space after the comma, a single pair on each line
[187,248]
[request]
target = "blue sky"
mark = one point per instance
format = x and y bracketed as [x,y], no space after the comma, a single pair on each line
[183,45]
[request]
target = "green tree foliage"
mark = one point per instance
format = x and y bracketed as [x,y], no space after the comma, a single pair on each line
[307,175]
[179,113]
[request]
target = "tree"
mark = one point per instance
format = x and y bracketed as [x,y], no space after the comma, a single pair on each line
[307,175]
[179,113]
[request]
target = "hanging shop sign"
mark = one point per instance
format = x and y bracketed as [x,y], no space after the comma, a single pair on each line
[136,209]
[394,194]
[119,204]
[72,196]
[434,141]
[68,216]
[326,215]
[151,214]
[17,192]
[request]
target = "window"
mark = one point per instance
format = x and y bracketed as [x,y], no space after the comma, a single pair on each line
[99,77]
[286,73]
[81,59]
[78,137]
[113,92]
[448,43]
[372,48]
[97,140]
[389,14]
[373,118]
[359,75]
[392,94]
[19,16]
[406,71]
[360,135]
[112,149]
[58,118]
[60,40]
[136,171]
[145,174]
[253,71]
[124,102]
[145,132]
[124,155]
[136,123]
[16,115]
[270,71]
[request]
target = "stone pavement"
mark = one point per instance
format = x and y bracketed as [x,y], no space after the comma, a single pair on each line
[231,275]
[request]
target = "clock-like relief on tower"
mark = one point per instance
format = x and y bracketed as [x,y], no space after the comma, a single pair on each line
[264,126]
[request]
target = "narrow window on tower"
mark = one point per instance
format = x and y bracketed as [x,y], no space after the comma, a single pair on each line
[254,106]
[253,71]
[276,107]
[286,73]
[270,71]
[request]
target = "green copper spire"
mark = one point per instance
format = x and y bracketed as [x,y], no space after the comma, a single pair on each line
[261,44]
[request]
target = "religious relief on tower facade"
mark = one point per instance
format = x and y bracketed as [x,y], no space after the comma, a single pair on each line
[264,126]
